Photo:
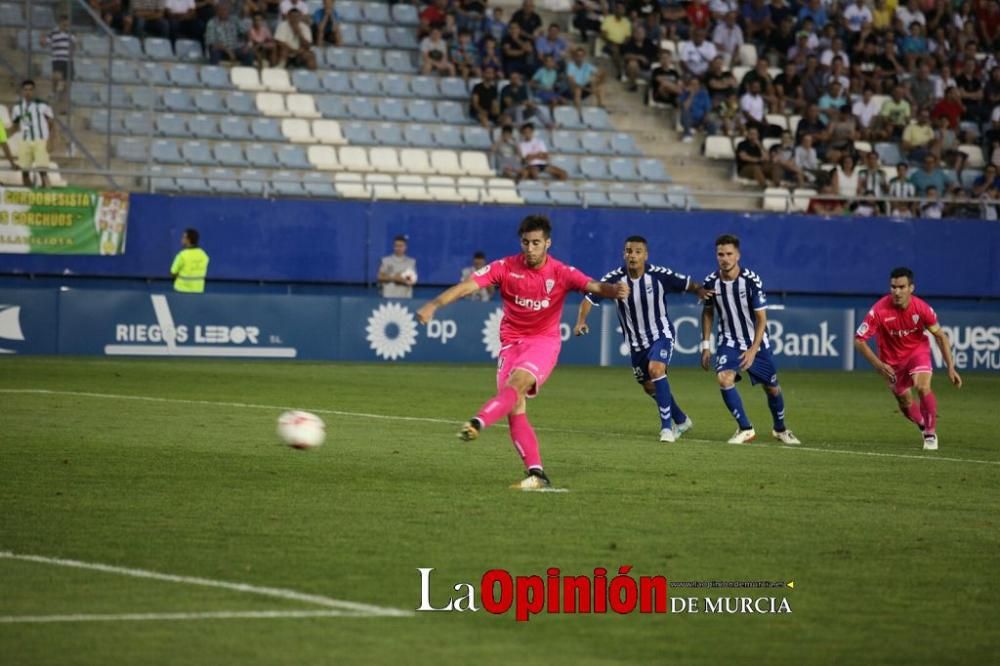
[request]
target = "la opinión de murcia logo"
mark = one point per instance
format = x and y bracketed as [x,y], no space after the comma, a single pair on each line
[620,593]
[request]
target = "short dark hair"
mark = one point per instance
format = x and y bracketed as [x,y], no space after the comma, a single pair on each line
[400,237]
[901,272]
[637,239]
[28,82]
[507,129]
[728,239]
[535,223]
[525,126]
[192,235]
[479,255]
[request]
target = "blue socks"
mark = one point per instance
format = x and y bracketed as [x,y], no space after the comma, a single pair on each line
[664,401]
[678,415]
[734,404]
[777,405]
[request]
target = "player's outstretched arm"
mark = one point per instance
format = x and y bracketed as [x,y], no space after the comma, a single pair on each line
[865,350]
[581,327]
[449,295]
[707,315]
[698,289]
[618,290]
[944,344]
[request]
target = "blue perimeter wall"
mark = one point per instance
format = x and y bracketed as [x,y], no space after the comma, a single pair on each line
[342,242]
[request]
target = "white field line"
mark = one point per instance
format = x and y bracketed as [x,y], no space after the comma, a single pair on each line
[425,419]
[275,592]
[162,617]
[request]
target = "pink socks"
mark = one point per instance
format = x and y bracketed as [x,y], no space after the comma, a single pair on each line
[497,407]
[523,436]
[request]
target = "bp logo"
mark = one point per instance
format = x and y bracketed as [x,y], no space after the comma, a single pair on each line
[491,333]
[391,331]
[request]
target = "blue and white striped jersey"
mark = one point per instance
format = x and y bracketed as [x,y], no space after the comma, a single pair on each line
[643,315]
[735,302]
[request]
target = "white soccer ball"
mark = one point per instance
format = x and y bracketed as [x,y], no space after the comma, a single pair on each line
[409,275]
[301,430]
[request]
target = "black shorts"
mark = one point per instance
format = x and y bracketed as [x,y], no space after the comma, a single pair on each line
[64,67]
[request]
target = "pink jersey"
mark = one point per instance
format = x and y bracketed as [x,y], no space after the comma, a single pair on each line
[900,332]
[532,297]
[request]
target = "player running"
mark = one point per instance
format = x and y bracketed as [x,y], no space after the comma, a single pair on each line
[739,302]
[533,287]
[647,328]
[898,322]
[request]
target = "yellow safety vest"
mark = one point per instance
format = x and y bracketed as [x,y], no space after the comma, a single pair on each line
[190,265]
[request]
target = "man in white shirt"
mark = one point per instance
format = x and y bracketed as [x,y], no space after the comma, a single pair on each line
[836,50]
[294,39]
[866,110]
[754,108]
[33,118]
[536,155]
[728,38]
[910,14]
[183,20]
[857,15]
[289,5]
[697,54]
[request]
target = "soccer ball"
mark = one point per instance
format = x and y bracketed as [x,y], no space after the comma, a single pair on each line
[301,430]
[410,276]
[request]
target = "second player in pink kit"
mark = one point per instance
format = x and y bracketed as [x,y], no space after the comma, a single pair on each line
[533,287]
[898,322]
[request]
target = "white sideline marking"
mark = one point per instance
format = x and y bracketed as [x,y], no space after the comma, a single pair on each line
[131,617]
[276,592]
[425,419]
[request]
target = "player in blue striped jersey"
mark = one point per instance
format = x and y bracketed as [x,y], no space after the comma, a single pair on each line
[738,302]
[647,327]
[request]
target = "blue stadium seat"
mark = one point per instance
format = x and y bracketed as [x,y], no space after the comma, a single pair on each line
[623,143]
[448,136]
[158,48]
[678,197]
[161,179]
[391,108]
[651,169]
[266,129]
[563,194]
[594,168]
[254,182]
[402,37]
[84,94]
[204,127]
[170,124]
[361,108]
[350,12]
[11,16]
[22,36]
[567,163]
[87,69]
[454,87]
[293,157]
[595,143]
[564,141]
[184,76]
[591,194]
[42,16]
[453,112]
[357,133]
[229,154]
[306,81]
[138,123]
[533,193]
[395,85]
[363,83]
[623,168]
[374,36]
[338,58]
[241,103]
[622,195]
[128,46]
[165,151]
[139,99]
[98,121]
[652,198]
[261,155]
[287,184]
[377,12]
[597,118]
[403,14]
[190,179]
[567,118]
[216,77]
[418,136]
[235,128]
[476,138]
[153,73]
[209,101]
[188,50]
[425,87]
[178,100]
[331,106]
[336,82]
[889,153]
[197,152]
[388,134]
[318,184]
[400,62]
[349,34]
[369,59]
[122,71]
[223,181]
[95,46]
[132,149]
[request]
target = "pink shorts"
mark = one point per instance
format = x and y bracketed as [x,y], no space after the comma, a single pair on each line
[919,361]
[537,356]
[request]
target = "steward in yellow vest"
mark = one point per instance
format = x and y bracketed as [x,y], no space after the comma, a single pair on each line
[190,265]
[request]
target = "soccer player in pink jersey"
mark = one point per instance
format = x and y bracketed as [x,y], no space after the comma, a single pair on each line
[533,287]
[898,322]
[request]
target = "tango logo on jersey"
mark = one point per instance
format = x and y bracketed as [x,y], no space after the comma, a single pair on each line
[530,304]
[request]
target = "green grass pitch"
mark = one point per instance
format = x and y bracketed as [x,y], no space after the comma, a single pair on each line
[895,552]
